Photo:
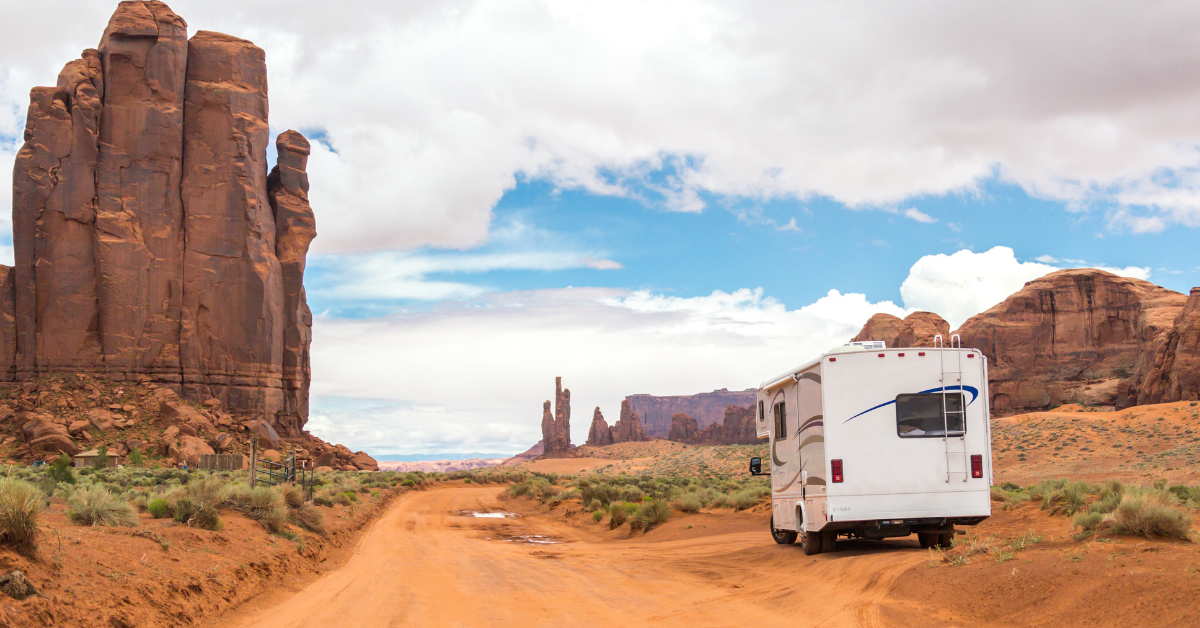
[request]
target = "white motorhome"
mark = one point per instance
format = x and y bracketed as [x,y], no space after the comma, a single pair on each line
[871,442]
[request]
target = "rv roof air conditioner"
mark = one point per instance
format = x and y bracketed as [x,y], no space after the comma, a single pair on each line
[869,345]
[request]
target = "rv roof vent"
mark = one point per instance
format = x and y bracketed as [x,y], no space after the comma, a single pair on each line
[869,345]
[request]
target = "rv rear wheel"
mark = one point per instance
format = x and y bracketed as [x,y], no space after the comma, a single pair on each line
[945,540]
[811,542]
[829,540]
[927,539]
[782,537]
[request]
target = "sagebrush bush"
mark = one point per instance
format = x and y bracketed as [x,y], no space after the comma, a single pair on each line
[689,502]
[1149,513]
[198,504]
[598,516]
[617,515]
[655,513]
[20,508]
[262,504]
[309,517]
[97,506]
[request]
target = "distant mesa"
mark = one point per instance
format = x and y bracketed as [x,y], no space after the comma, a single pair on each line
[736,428]
[707,408]
[1075,336]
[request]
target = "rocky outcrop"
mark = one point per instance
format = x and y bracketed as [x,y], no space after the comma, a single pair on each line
[683,428]
[915,330]
[150,241]
[1170,369]
[599,434]
[1071,336]
[736,428]
[707,408]
[556,428]
[628,428]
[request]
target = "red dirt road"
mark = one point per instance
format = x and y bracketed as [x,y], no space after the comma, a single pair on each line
[422,564]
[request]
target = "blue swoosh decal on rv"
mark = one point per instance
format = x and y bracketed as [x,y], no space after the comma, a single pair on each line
[971,389]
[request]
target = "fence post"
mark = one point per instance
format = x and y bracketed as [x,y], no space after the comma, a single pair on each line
[253,460]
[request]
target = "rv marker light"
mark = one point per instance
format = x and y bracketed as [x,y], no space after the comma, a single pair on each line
[970,355]
[921,354]
[833,359]
[976,466]
[901,355]
[836,467]
[881,355]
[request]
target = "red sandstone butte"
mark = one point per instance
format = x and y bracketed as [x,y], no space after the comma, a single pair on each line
[150,241]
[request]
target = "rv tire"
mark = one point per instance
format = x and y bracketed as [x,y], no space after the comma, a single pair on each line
[811,542]
[782,537]
[927,539]
[945,540]
[829,541]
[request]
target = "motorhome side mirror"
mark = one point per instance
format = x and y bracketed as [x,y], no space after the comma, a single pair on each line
[755,466]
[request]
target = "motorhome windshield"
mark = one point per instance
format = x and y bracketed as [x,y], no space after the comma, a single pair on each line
[921,415]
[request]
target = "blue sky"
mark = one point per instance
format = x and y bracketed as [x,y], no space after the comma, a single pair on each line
[680,196]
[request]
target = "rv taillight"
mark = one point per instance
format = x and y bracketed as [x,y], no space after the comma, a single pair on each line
[836,467]
[970,355]
[881,355]
[900,354]
[976,467]
[833,359]
[920,354]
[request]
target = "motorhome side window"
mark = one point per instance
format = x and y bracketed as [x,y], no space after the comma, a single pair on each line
[780,421]
[921,416]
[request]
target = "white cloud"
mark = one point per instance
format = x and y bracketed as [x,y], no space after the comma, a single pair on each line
[476,376]
[1047,259]
[965,283]
[790,226]
[435,109]
[1136,272]
[919,216]
[601,264]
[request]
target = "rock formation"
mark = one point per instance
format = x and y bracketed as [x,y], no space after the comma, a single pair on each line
[150,242]
[556,428]
[915,330]
[1083,336]
[628,428]
[707,408]
[1170,369]
[1071,336]
[737,428]
[683,428]
[599,434]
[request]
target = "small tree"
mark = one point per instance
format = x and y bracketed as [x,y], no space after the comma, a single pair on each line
[135,457]
[60,469]
[102,457]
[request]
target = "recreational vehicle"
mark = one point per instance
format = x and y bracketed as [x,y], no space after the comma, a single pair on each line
[871,442]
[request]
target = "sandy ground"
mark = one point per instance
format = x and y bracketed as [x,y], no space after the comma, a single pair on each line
[425,564]
[422,564]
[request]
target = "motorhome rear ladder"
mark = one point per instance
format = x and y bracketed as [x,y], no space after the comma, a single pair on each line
[952,381]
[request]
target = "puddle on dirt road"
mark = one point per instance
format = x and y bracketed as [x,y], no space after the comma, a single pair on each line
[488,515]
[526,539]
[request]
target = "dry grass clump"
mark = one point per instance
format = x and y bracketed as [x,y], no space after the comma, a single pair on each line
[617,515]
[652,514]
[198,504]
[20,507]
[309,517]
[689,502]
[97,506]
[1149,512]
[261,503]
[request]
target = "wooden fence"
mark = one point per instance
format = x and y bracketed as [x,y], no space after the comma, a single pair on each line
[222,462]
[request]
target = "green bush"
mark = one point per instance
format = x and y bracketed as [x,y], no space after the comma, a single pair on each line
[198,504]
[96,506]
[617,515]
[655,513]
[1088,520]
[60,470]
[262,504]
[20,508]
[135,458]
[323,501]
[158,508]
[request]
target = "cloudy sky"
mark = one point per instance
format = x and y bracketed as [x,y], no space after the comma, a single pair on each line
[679,196]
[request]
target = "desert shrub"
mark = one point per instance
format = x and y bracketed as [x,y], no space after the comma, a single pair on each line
[135,458]
[60,470]
[617,515]
[139,503]
[323,501]
[689,502]
[342,499]
[198,504]
[262,504]
[158,508]
[654,513]
[309,517]
[744,499]
[1187,494]
[1087,520]
[20,507]
[595,505]
[1149,513]
[598,516]
[293,496]
[1067,498]
[352,496]
[97,506]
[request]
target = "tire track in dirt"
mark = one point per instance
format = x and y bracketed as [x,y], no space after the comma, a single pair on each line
[422,564]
